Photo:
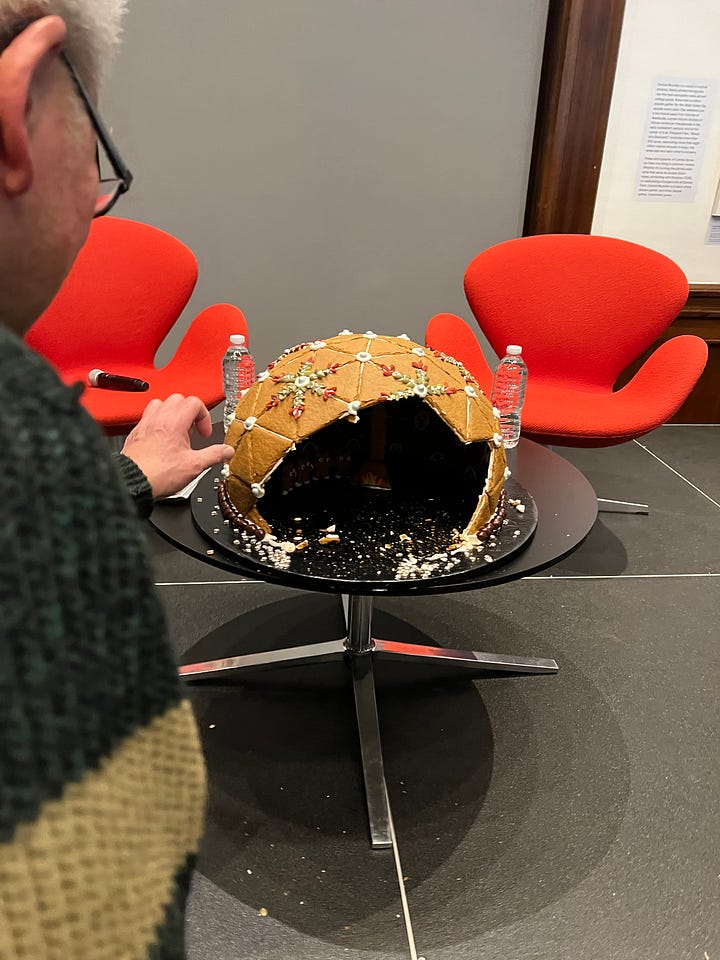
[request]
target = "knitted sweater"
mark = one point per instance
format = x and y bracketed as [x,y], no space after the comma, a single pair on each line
[101,778]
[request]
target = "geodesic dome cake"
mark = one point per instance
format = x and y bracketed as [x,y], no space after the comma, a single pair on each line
[374,411]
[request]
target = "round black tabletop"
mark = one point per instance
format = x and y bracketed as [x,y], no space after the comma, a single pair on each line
[566,507]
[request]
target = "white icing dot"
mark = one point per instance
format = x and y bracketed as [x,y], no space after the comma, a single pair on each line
[507,474]
[497,439]
[420,390]
[263,376]
[354,407]
[419,351]
[250,423]
[302,382]
[345,333]
[370,335]
[498,413]
[258,490]
[363,356]
[403,336]
[317,344]
[225,470]
[470,391]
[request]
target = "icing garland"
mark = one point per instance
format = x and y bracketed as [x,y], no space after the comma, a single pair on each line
[466,375]
[298,384]
[417,386]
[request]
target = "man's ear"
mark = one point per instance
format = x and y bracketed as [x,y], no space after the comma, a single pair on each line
[20,63]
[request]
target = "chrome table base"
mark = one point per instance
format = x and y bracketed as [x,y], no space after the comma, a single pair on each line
[360,650]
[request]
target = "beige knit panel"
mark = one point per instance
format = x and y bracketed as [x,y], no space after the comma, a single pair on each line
[90,878]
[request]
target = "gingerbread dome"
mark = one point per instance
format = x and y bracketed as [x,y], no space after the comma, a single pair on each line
[368,409]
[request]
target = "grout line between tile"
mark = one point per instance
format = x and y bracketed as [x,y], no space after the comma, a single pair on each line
[401,884]
[200,583]
[673,470]
[628,576]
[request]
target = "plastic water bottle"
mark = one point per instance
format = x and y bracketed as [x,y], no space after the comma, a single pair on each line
[238,374]
[508,393]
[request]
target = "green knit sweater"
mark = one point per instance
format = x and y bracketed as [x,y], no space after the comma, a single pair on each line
[101,777]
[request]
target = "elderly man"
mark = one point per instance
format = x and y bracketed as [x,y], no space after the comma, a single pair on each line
[101,777]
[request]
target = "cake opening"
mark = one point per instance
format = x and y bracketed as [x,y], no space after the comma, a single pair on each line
[399,450]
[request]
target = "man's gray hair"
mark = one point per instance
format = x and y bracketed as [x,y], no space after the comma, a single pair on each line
[94,28]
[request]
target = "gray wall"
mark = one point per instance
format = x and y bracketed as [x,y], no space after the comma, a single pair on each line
[332,163]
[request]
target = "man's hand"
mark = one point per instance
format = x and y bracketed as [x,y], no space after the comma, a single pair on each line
[160,443]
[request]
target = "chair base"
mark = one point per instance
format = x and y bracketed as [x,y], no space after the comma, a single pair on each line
[621,506]
[360,651]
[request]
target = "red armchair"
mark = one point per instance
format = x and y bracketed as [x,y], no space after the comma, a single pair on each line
[126,290]
[583,308]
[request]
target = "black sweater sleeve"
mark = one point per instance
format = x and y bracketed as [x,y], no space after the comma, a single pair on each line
[136,483]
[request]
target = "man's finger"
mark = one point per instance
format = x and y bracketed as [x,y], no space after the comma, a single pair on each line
[217,453]
[198,416]
[153,405]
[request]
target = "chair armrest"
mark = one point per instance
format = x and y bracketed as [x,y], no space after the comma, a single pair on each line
[663,383]
[451,335]
[207,339]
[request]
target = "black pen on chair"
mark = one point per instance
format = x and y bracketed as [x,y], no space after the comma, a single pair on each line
[113,381]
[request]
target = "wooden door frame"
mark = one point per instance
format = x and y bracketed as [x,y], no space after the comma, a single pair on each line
[578,72]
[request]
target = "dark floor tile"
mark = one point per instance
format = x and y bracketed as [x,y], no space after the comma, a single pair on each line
[694,451]
[544,817]
[569,816]
[678,536]
[286,829]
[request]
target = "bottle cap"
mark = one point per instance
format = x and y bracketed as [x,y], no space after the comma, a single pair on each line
[237,339]
[513,350]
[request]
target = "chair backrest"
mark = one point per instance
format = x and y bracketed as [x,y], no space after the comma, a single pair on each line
[128,286]
[582,307]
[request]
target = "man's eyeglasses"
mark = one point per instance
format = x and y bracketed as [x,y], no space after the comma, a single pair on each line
[114,177]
